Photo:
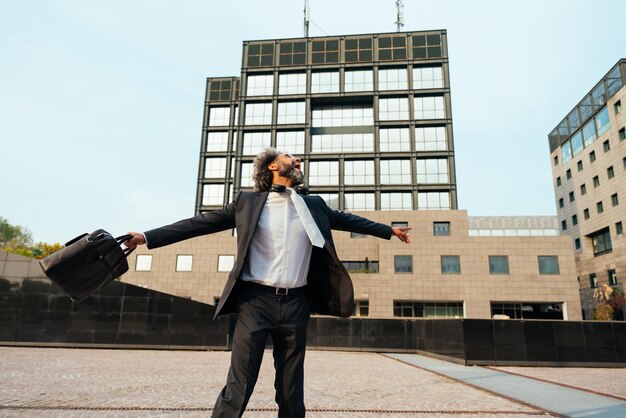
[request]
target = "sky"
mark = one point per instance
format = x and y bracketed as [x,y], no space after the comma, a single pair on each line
[101,102]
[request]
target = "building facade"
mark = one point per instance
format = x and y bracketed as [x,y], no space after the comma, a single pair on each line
[370,116]
[588,151]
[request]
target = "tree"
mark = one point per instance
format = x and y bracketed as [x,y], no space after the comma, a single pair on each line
[19,240]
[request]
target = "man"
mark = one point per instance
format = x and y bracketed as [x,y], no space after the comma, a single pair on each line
[286,268]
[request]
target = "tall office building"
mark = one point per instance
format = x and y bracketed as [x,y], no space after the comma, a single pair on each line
[369,115]
[588,151]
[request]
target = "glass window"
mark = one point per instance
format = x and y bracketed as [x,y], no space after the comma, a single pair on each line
[586,109]
[214,168]
[427,46]
[395,108]
[579,165]
[429,107]
[571,196]
[614,199]
[432,171]
[395,201]
[324,173]
[292,83]
[583,189]
[450,264]
[143,262]
[395,172]
[325,82]
[393,79]
[566,152]
[359,80]
[220,90]
[589,133]
[361,266]
[498,264]
[290,141]
[184,262]
[225,263]
[577,243]
[394,139]
[361,308]
[610,173]
[260,55]
[568,174]
[599,207]
[593,281]
[325,51]
[429,309]
[359,172]
[592,156]
[598,95]
[433,201]
[596,181]
[258,114]
[358,50]
[219,116]
[391,48]
[613,81]
[292,53]
[577,143]
[343,115]
[400,224]
[362,142]
[291,112]
[441,228]
[548,264]
[601,241]
[217,141]
[619,228]
[602,121]
[212,195]
[255,142]
[574,121]
[260,85]
[359,201]
[403,264]
[612,277]
[246,175]
[586,213]
[431,138]
[427,78]
[331,199]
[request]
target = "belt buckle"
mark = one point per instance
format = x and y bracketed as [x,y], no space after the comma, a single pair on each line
[282,291]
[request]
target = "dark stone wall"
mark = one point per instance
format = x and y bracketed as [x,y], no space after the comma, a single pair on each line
[35,310]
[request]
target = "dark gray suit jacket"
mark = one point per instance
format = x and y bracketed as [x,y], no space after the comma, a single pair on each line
[328,284]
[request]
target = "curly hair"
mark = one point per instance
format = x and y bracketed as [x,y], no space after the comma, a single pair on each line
[261,175]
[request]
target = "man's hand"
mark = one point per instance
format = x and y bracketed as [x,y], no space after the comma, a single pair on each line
[402,234]
[137,239]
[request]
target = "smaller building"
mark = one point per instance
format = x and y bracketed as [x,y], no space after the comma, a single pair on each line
[588,152]
[455,267]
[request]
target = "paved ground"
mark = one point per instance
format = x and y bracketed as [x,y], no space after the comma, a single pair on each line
[57,382]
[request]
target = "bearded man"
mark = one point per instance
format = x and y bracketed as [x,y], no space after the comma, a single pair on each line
[286,268]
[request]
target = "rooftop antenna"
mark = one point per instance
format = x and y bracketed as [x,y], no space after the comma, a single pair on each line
[400,15]
[306,18]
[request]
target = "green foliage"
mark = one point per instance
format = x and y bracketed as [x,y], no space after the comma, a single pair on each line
[19,240]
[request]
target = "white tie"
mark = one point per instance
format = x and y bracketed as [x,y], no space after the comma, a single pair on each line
[316,237]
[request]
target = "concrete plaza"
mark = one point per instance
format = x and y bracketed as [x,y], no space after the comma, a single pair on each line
[61,382]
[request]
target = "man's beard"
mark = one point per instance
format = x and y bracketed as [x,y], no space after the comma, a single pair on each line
[289,171]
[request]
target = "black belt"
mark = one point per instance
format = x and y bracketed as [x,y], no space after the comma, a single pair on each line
[281,291]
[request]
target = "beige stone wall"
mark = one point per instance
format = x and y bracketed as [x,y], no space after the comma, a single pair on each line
[14,266]
[475,286]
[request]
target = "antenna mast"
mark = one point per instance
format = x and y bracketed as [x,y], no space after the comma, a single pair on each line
[399,15]
[306,18]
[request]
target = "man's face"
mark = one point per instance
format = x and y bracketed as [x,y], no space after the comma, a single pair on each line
[289,168]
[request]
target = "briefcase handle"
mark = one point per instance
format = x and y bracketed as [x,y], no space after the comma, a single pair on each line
[121,239]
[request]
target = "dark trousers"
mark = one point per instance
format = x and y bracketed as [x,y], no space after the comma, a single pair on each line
[260,311]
